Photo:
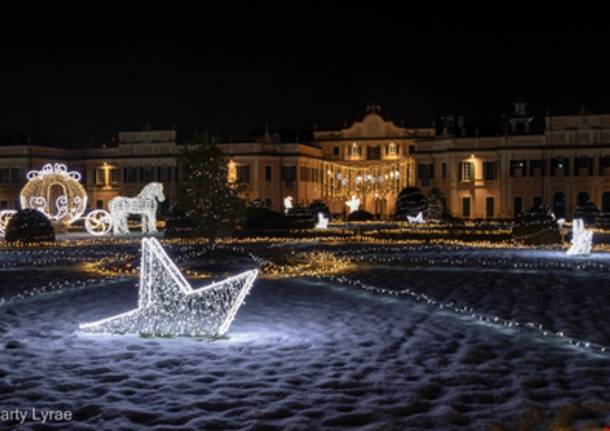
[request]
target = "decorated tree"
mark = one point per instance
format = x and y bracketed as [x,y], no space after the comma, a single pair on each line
[536,226]
[436,205]
[209,201]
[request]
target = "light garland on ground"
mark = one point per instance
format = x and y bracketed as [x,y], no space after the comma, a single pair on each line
[168,305]
[145,204]
[470,313]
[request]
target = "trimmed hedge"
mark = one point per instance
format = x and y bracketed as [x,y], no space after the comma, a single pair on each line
[30,226]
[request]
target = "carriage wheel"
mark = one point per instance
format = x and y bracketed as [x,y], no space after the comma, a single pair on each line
[5,217]
[98,222]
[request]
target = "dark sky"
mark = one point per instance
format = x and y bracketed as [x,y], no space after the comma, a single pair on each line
[77,79]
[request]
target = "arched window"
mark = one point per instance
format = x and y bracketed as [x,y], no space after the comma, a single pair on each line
[355,150]
[392,150]
[559,205]
[582,198]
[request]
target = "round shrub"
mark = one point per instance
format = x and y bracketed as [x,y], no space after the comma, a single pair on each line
[302,218]
[410,202]
[29,226]
[536,226]
[264,218]
[436,205]
[319,207]
[360,215]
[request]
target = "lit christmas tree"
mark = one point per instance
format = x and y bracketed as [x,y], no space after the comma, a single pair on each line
[206,195]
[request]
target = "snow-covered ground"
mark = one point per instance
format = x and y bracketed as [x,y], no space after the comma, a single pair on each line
[318,354]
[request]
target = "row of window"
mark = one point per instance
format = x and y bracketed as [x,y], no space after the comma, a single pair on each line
[518,168]
[144,174]
[288,174]
[373,152]
[10,175]
[425,171]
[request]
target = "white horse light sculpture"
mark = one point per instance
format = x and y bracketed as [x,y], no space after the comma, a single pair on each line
[322,222]
[353,204]
[581,239]
[145,204]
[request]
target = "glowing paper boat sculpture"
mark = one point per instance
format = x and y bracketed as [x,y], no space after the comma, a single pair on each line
[168,305]
[581,239]
[322,222]
[419,219]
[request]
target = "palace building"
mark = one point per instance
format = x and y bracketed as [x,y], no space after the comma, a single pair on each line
[564,164]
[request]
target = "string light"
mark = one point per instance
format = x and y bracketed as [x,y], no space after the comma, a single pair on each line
[168,305]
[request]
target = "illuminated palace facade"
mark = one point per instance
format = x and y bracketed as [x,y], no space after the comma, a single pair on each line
[481,177]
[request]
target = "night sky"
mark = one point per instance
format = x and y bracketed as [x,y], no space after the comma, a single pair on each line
[78,80]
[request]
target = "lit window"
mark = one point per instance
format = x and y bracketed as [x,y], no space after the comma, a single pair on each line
[355,150]
[467,171]
[392,149]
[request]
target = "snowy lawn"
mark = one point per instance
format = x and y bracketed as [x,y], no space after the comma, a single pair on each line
[312,353]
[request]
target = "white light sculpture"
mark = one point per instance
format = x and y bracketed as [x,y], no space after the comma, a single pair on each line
[353,204]
[98,222]
[560,222]
[168,305]
[581,239]
[144,204]
[5,217]
[418,219]
[287,204]
[322,222]
[56,192]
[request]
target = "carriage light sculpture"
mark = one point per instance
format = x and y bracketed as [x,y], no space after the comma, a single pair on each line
[56,192]
[169,306]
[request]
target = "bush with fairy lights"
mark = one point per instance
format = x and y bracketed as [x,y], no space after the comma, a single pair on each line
[410,202]
[588,212]
[436,205]
[536,226]
[261,217]
[29,226]
[360,215]
[318,206]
